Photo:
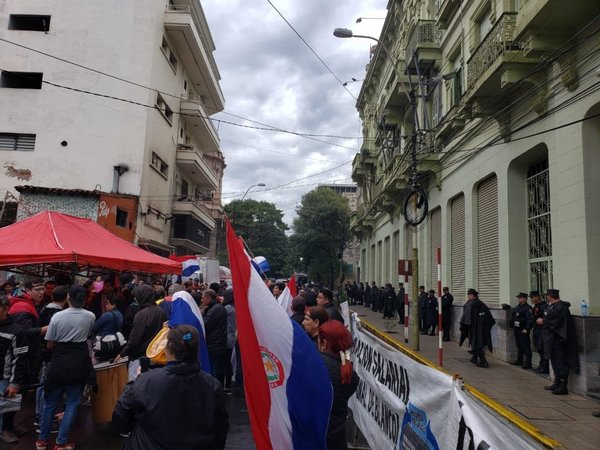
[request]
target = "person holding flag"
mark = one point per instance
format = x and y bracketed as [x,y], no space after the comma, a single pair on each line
[185,311]
[282,367]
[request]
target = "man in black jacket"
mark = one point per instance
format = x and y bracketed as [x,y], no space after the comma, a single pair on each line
[215,326]
[521,322]
[13,365]
[400,302]
[447,300]
[423,296]
[559,340]
[538,309]
[146,324]
[480,335]
[325,299]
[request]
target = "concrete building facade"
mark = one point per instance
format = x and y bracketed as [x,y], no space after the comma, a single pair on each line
[506,121]
[115,97]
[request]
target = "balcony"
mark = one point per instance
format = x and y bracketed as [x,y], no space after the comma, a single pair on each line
[191,163]
[446,9]
[183,27]
[362,165]
[423,48]
[497,60]
[195,208]
[199,123]
[189,235]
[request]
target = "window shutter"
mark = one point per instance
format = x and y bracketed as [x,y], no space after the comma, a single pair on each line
[488,266]
[436,242]
[457,248]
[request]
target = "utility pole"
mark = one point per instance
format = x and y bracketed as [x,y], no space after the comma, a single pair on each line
[415,289]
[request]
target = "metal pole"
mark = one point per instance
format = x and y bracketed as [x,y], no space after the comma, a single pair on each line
[406,311]
[415,289]
[439,286]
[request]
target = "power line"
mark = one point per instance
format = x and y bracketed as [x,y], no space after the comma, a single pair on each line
[133,102]
[168,94]
[311,49]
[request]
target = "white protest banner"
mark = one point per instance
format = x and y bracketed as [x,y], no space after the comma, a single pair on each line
[403,404]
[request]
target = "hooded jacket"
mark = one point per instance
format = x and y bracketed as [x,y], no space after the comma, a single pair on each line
[173,407]
[146,323]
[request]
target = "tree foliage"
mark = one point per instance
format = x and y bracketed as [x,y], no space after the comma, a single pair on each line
[262,227]
[321,231]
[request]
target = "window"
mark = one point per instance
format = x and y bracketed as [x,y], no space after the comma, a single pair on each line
[21,80]
[158,164]
[162,106]
[539,226]
[29,22]
[121,220]
[17,142]
[166,49]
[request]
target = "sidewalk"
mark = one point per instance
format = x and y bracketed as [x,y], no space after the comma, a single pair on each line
[565,418]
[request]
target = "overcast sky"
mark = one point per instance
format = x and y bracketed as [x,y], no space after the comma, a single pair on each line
[268,75]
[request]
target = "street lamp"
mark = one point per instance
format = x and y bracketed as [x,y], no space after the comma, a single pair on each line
[346,33]
[360,19]
[248,190]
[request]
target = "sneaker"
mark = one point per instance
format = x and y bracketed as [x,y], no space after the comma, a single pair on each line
[8,437]
[68,446]
[41,445]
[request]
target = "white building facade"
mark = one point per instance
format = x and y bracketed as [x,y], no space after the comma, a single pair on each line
[115,96]
[508,107]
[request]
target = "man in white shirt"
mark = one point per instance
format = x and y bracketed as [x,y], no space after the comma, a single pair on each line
[70,367]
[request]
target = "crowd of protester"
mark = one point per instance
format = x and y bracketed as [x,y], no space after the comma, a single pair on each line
[53,331]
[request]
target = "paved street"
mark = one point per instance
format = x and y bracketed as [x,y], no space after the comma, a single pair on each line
[89,436]
[567,419]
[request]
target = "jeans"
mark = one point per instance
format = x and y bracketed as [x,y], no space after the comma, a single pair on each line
[217,364]
[40,394]
[133,369]
[3,386]
[53,397]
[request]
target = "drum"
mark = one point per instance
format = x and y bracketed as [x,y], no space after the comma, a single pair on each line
[111,380]
[156,348]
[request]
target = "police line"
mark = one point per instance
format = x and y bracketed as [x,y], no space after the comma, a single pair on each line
[403,404]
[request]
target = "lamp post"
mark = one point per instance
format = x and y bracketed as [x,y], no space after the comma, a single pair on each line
[345,33]
[360,19]
[248,190]
[243,197]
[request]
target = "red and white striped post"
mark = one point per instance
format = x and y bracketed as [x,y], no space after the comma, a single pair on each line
[439,289]
[406,310]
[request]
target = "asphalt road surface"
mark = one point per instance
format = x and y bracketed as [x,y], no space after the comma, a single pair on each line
[87,435]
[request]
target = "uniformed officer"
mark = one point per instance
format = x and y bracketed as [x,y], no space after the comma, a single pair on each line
[521,322]
[447,300]
[539,306]
[555,336]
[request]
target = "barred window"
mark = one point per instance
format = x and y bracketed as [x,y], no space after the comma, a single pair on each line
[539,226]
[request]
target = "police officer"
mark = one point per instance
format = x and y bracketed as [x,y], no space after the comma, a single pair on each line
[422,309]
[555,336]
[447,300]
[521,322]
[431,313]
[539,306]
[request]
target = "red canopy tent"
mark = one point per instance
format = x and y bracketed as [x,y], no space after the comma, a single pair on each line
[51,237]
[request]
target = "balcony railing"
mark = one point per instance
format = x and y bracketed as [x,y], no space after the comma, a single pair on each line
[496,44]
[425,34]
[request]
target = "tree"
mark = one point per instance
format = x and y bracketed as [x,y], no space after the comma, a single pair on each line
[262,227]
[321,230]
